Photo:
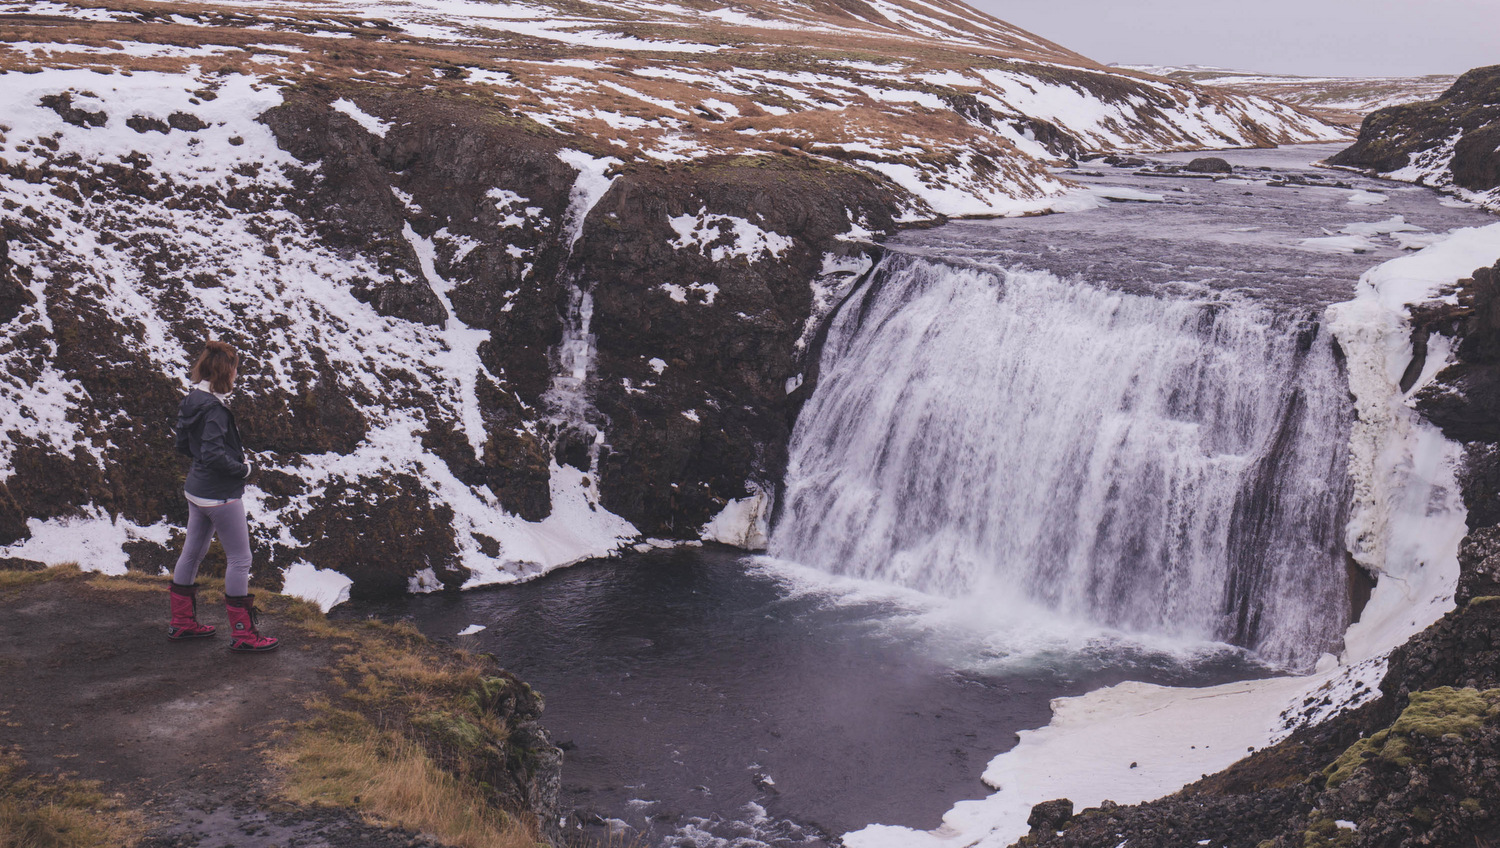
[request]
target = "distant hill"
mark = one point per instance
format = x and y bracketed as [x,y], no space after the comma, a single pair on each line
[1341,100]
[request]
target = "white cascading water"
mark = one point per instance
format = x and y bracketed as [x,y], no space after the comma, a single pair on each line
[1172,466]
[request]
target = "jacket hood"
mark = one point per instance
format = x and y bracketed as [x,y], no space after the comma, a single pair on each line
[195,406]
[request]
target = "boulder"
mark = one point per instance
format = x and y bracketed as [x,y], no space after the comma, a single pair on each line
[1208,165]
[1050,815]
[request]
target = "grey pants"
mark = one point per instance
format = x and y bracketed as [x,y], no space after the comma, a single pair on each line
[228,522]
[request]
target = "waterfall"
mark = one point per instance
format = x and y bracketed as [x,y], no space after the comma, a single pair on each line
[1165,465]
[572,414]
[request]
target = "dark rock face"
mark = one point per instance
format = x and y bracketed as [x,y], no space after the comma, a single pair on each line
[1462,649]
[526,772]
[1233,822]
[1479,563]
[1208,165]
[14,295]
[1464,398]
[379,533]
[728,344]
[62,104]
[1394,137]
[686,435]
[1428,779]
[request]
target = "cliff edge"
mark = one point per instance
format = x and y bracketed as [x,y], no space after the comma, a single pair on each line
[349,735]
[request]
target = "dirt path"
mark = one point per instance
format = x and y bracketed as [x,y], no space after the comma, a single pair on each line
[91,688]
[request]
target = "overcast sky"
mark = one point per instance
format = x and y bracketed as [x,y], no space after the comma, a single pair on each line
[1317,37]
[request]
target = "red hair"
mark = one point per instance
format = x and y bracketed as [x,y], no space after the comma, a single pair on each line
[216,365]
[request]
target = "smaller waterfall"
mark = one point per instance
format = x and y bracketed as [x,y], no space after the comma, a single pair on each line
[572,413]
[1170,466]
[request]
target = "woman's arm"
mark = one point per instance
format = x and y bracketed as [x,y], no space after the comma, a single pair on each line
[213,450]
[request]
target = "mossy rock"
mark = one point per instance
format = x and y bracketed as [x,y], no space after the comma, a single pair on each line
[1433,714]
[452,730]
[1325,833]
[507,697]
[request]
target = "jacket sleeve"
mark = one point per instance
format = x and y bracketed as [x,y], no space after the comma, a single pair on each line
[213,451]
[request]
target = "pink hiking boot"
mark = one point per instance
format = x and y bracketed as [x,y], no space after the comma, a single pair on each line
[243,616]
[184,623]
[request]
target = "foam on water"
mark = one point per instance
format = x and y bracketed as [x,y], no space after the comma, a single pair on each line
[969,634]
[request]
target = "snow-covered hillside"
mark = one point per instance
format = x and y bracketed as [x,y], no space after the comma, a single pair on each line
[516,283]
[954,106]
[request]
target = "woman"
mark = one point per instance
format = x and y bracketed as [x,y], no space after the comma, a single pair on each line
[215,484]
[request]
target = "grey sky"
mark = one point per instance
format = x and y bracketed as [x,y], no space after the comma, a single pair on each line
[1318,37]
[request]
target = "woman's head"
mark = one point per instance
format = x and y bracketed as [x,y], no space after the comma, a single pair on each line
[216,366]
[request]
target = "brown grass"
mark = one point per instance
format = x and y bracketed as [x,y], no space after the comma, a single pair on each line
[404,739]
[52,812]
[17,579]
[341,759]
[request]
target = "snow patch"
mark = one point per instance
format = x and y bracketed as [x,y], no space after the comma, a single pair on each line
[93,540]
[722,237]
[1360,197]
[372,124]
[323,586]
[424,582]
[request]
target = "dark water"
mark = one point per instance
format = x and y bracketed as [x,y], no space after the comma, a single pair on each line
[685,678]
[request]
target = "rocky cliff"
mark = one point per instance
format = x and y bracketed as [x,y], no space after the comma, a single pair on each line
[515,285]
[1451,143]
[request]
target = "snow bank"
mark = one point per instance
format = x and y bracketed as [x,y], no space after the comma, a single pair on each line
[323,586]
[743,523]
[1136,742]
[372,124]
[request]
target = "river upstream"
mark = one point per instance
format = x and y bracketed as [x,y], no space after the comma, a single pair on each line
[1044,455]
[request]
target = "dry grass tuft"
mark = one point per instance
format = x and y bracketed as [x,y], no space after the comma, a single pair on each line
[341,759]
[17,579]
[409,735]
[49,812]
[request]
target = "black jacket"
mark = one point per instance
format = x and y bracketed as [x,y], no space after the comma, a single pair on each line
[207,433]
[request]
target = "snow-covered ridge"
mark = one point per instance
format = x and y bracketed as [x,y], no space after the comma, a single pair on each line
[1136,742]
[964,129]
